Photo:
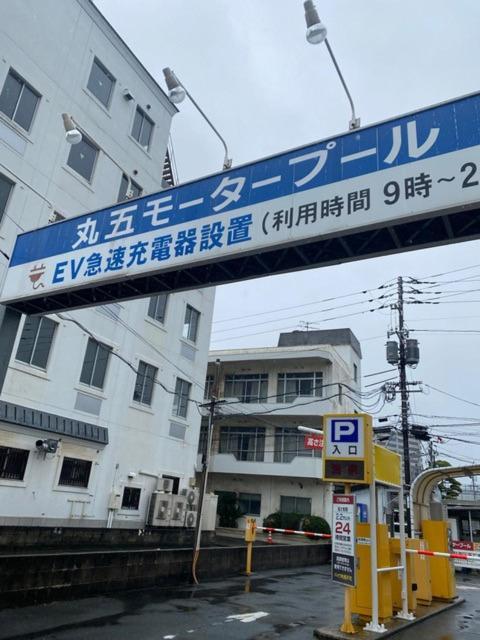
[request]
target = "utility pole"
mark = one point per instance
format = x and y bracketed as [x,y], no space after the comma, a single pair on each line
[206,454]
[402,364]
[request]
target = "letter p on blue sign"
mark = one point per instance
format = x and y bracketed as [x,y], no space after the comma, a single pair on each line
[345,430]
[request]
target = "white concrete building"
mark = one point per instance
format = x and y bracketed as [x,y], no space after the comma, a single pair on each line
[258,453]
[113,387]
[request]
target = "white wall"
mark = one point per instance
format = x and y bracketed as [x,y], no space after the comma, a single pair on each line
[51,45]
[272,488]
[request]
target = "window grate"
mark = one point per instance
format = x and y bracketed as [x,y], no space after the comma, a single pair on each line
[13,463]
[75,472]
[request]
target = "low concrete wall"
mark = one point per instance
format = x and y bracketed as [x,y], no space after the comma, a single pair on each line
[39,578]
[22,538]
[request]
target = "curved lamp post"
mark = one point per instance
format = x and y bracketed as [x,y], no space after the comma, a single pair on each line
[177,93]
[316,34]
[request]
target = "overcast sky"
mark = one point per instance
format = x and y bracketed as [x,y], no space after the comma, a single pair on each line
[267,90]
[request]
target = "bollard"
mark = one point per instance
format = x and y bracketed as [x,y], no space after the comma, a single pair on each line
[250,535]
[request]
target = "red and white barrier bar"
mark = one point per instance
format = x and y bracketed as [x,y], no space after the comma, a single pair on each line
[441,554]
[308,534]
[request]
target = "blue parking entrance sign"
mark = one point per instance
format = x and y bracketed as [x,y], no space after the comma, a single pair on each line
[345,437]
[347,449]
[412,181]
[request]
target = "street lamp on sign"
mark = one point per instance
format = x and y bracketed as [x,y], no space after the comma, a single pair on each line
[316,34]
[177,93]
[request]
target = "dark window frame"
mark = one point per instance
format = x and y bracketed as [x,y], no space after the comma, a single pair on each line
[126,182]
[131,498]
[140,124]
[191,323]
[11,456]
[244,443]
[153,307]
[93,373]
[296,500]
[75,149]
[308,384]
[31,354]
[109,75]
[24,85]
[181,398]
[144,383]
[75,472]
[246,500]
[4,201]
[246,387]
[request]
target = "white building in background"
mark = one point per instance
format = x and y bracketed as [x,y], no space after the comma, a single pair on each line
[110,390]
[257,451]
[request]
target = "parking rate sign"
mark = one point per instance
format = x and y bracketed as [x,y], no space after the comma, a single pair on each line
[343,540]
[347,448]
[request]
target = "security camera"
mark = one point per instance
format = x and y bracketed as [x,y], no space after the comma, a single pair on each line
[47,446]
[128,95]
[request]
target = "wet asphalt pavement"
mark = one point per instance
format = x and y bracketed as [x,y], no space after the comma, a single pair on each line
[295,601]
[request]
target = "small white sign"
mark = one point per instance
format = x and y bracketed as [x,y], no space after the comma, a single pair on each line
[343,539]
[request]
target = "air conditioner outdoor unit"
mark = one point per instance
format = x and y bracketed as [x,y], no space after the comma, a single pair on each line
[190,519]
[191,497]
[165,485]
[160,509]
[178,511]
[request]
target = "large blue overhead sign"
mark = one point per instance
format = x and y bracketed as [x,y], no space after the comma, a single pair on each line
[381,177]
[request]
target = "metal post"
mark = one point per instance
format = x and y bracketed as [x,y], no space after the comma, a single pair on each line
[205,465]
[470,525]
[404,407]
[347,625]
[374,624]
[248,570]
[404,613]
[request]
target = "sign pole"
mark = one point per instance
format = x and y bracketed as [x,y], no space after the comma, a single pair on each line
[347,625]
[374,624]
[404,613]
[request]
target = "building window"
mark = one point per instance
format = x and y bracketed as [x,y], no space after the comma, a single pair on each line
[142,128]
[82,157]
[131,498]
[175,485]
[289,444]
[245,443]
[101,82]
[251,387]
[291,386]
[190,324]
[355,373]
[249,503]
[18,100]
[209,382]
[6,187]
[95,364]
[13,463]
[36,341]
[144,384]
[75,472]
[55,216]
[180,400]
[202,440]
[292,504]
[128,189]
[157,307]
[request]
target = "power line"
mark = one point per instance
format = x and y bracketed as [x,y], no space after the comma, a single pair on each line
[308,304]
[451,395]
